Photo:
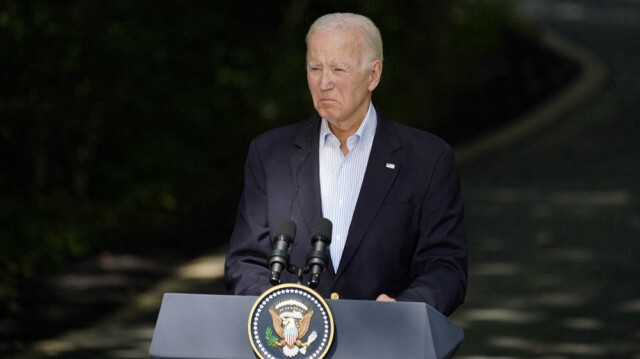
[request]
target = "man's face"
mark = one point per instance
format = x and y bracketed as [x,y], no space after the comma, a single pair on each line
[339,82]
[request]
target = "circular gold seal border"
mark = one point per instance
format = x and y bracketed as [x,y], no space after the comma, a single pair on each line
[291,286]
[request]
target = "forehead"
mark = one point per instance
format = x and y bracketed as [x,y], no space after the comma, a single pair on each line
[339,45]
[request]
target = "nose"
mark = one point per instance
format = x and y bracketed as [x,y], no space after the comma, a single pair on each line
[326,80]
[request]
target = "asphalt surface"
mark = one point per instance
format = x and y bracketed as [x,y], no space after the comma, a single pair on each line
[552,216]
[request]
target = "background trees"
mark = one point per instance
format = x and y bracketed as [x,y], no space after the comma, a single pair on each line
[124,124]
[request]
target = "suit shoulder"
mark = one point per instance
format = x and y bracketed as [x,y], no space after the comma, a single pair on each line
[420,138]
[282,135]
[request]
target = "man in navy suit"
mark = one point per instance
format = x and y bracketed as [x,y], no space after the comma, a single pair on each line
[391,192]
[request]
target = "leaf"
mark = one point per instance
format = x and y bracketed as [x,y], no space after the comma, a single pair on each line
[271,338]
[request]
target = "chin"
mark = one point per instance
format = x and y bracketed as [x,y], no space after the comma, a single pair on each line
[327,109]
[325,114]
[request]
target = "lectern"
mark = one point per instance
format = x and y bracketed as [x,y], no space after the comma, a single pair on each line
[198,326]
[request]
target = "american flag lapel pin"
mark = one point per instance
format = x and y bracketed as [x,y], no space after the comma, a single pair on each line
[391,165]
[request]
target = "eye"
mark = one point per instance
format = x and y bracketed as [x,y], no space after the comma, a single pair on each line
[313,69]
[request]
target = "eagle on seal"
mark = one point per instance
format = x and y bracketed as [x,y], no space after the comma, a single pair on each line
[291,327]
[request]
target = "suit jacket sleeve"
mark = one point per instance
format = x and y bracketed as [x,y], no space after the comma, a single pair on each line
[246,270]
[439,265]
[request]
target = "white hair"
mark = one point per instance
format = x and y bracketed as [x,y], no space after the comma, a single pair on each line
[371,38]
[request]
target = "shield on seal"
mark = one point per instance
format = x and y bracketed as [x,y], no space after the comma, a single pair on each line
[290,336]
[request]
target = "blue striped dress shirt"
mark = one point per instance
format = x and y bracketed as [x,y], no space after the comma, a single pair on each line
[341,178]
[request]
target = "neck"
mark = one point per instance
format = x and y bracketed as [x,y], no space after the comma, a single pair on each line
[346,128]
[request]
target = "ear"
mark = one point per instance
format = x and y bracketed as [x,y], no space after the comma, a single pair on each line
[375,74]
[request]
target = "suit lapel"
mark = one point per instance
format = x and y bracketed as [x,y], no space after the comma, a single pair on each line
[380,174]
[304,168]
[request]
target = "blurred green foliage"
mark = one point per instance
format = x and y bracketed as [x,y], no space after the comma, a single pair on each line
[124,124]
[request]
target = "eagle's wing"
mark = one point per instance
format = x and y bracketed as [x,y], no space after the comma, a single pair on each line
[277,322]
[304,324]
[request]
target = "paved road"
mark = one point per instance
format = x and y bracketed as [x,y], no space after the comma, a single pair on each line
[554,220]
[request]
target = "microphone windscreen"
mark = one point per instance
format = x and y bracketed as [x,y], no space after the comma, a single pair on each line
[286,227]
[322,227]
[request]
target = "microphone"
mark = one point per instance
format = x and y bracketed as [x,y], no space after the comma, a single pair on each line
[279,255]
[317,258]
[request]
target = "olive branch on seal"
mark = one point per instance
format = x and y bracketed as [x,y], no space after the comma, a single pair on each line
[271,338]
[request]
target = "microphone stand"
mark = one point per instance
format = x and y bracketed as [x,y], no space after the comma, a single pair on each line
[299,272]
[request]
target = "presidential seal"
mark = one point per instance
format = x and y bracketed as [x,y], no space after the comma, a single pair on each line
[290,321]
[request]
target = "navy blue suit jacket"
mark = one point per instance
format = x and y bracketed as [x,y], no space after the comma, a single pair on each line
[406,237]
